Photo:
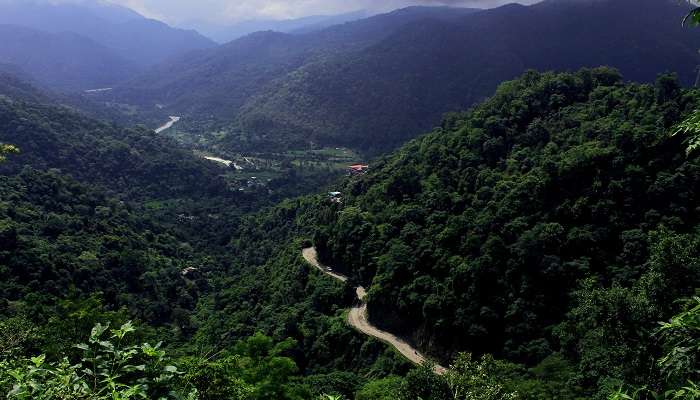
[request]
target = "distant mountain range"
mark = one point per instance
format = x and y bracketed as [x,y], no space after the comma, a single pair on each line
[221,80]
[131,36]
[64,61]
[88,45]
[227,33]
[372,84]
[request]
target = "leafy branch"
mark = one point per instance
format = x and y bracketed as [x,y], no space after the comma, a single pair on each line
[690,129]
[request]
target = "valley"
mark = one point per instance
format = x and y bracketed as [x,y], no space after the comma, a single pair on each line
[396,201]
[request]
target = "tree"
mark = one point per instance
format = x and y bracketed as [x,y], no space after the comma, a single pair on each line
[680,337]
[471,380]
[6,149]
[690,128]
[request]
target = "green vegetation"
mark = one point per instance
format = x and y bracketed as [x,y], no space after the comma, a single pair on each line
[6,149]
[108,370]
[533,244]
[557,219]
[134,163]
[543,244]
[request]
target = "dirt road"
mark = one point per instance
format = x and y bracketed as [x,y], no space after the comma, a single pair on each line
[168,124]
[357,318]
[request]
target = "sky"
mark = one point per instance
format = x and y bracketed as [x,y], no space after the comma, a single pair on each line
[231,11]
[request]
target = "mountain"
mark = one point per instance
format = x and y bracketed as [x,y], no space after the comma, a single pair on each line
[227,33]
[219,81]
[379,97]
[12,86]
[64,61]
[375,83]
[551,225]
[131,36]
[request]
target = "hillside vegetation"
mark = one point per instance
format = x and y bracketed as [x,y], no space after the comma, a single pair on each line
[557,218]
[132,161]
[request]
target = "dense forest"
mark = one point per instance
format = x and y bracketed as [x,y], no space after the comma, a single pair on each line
[432,66]
[533,244]
[543,244]
[557,220]
[133,161]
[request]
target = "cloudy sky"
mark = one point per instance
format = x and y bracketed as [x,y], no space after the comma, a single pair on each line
[183,11]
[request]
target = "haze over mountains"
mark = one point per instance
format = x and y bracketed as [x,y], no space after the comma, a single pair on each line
[220,80]
[223,33]
[87,45]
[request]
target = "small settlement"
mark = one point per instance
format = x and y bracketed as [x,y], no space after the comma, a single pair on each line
[353,170]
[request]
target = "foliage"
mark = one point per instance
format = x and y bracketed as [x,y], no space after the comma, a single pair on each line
[690,129]
[60,239]
[556,217]
[693,16]
[388,388]
[471,380]
[109,369]
[131,162]
[6,149]
[681,337]
[679,365]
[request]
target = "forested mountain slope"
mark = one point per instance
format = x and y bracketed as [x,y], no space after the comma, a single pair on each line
[219,81]
[379,97]
[64,61]
[62,241]
[554,225]
[131,161]
[559,217]
[12,86]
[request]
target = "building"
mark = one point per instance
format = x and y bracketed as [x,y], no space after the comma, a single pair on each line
[335,197]
[358,169]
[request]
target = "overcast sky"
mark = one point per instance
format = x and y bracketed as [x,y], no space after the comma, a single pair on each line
[179,11]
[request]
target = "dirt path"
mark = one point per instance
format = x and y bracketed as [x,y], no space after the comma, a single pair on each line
[168,124]
[357,318]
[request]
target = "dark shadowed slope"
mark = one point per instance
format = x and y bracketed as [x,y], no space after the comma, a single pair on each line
[380,97]
[219,81]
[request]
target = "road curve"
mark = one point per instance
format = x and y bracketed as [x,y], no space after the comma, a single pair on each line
[168,125]
[357,318]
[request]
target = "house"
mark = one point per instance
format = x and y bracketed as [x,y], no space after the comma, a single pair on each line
[358,169]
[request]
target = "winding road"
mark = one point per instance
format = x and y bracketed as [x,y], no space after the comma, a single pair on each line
[168,124]
[357,318]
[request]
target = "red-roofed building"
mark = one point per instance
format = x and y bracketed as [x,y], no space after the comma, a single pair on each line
[358,169]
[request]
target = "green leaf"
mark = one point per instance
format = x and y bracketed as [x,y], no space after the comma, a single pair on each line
[82,346]
[39,360]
